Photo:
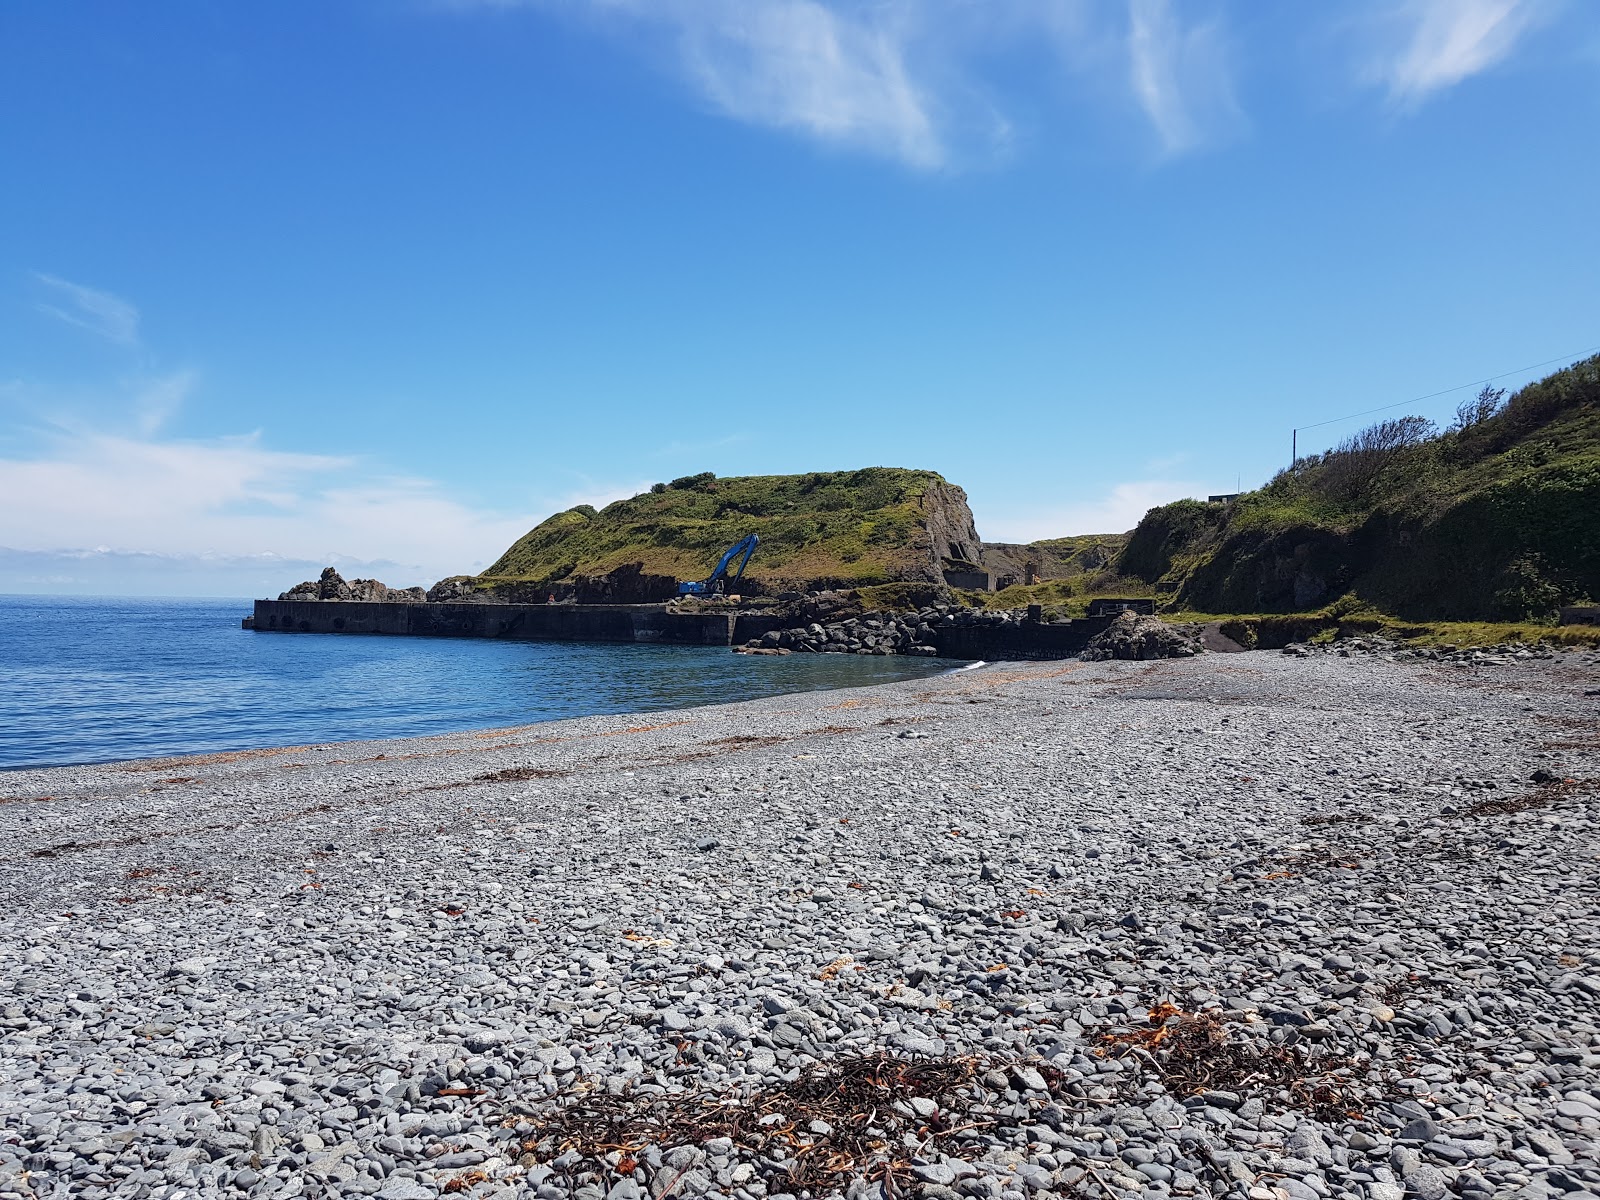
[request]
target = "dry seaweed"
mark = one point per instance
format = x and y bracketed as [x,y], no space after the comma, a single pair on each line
[852,1117]
[1202,1052]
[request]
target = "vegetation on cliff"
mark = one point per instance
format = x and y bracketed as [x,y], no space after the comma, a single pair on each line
[1495,518]
[876,525]
[1066,558]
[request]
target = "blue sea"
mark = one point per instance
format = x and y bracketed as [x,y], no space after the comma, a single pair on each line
[86,680]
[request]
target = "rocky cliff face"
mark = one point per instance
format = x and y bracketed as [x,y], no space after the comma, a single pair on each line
[952,535]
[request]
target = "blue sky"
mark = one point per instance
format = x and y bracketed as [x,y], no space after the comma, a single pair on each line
[385,282]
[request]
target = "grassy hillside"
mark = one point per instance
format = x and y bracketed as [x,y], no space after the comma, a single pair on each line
[840,528]
[1495,518]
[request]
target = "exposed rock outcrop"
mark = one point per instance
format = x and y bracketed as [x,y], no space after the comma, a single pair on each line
[330,585]
[952,535]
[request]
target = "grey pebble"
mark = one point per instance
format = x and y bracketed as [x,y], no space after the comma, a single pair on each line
[719,898]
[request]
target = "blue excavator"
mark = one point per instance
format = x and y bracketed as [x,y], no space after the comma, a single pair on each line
[716,584]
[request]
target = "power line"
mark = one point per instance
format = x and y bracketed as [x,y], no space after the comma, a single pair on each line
[1295,433]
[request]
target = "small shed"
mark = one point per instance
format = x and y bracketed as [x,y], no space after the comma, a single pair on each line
[1137,604]
[1580,614]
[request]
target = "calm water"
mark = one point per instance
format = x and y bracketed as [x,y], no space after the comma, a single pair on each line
[98,679]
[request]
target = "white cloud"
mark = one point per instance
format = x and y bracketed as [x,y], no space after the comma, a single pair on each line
[235,496]
[903,78]
[796,64]
[157,399]
[1116,512]
[102,313]
[1442,42]
[1180,76]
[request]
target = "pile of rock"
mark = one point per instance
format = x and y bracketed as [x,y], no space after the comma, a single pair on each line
[456,589]
[1139,637]
[332,586]
[1131,636]
[870,633]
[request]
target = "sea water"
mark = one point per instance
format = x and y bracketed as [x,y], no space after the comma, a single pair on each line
[99,679]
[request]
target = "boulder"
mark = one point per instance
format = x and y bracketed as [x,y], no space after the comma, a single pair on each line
[331,586]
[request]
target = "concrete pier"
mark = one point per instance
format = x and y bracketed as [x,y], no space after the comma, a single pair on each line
[513,622]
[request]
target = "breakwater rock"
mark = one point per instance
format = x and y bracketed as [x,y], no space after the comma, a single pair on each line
[870,633]
[933,630]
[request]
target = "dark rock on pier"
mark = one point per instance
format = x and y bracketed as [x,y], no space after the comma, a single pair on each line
[330,585]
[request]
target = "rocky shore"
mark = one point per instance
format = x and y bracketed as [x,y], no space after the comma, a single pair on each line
[1255,925]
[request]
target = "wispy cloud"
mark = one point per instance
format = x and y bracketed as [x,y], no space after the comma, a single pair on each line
[903,79]
[796,64]
[1435,44]
[102,313]
[89,478]
[157,400]
[1180,76]
[1117,511]
[236,496]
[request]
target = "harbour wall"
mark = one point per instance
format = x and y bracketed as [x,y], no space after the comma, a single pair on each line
[634,623]
[1022,640]
[512,622]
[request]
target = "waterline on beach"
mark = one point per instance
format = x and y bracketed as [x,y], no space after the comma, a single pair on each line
[98,679]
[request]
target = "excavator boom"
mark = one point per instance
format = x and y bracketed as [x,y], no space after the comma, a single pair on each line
[717,581]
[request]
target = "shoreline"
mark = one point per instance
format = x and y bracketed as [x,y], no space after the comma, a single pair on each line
[216,756]
[289,959]
[941,667]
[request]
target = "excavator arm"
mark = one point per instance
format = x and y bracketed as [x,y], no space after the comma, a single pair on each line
[745,546]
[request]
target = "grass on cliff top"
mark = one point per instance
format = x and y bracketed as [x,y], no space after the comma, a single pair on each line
[854,527]
[1355,621]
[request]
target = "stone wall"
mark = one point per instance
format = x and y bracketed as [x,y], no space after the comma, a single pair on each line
[1018,640]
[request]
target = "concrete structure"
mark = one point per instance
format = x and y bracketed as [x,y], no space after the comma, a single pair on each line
[514,622]
[1018,641]
[1580,614]
[969,581]
[1138,604]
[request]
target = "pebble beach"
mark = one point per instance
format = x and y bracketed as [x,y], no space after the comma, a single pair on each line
[1366,891]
